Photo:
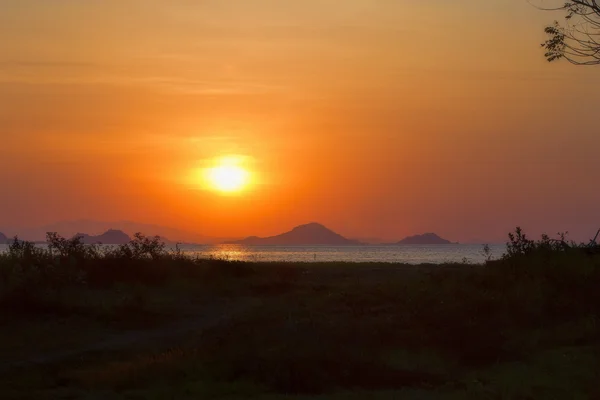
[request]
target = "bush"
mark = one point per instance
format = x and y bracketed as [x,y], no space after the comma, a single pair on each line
[141,247]
[33,277]
[520,245]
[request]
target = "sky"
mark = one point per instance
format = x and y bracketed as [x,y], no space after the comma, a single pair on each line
[377,118]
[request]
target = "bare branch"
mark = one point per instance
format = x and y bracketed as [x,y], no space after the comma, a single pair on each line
[578,39]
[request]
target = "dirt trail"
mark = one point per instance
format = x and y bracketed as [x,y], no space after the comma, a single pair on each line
[201,319]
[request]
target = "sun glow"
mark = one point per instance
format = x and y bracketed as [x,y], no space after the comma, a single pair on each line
[228,175]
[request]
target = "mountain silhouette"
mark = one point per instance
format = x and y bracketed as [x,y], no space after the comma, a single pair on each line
[93,227]
[426,238]
[112,236]
[303,235]
[3,238]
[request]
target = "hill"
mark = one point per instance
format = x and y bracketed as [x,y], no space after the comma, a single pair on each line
[112,236]
[426,238]
[3,238]
[303,235]
[92,227]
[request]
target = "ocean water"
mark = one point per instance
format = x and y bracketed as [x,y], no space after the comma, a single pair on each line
[410,254]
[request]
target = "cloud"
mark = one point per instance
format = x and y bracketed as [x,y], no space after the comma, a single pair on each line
[20,73]
[45,64]
[190,86]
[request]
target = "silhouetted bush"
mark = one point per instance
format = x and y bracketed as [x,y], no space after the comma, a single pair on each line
[74,249]
[33,277]
[141,247]
[520,245]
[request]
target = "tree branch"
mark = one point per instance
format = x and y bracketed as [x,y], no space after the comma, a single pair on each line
[576,40]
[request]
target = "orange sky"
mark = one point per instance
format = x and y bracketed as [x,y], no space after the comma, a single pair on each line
[377,118]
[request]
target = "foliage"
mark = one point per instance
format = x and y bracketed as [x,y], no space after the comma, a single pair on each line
[37,278]
[142,247]
[578,39]
[520,245]
[22,250]
[73,248]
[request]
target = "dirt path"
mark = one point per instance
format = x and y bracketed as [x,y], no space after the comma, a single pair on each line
[201,318]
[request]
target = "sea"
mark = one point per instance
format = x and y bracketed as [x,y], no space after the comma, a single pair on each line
[408,254]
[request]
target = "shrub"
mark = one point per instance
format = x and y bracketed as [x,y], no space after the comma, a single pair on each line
[73,248]
[142,247]
[31,276]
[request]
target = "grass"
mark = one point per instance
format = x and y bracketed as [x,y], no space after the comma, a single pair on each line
[523,327]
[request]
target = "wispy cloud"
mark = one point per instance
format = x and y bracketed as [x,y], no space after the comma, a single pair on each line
[18,72]
[45,64]
[190,86]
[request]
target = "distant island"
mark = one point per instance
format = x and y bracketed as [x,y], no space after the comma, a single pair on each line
[112,236]
[312,234]
[69,228]
[426,238]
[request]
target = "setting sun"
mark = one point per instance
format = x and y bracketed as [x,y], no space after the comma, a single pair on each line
[228,176]
[228,179]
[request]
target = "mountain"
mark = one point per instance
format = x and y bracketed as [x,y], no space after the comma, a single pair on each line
[3,238]
[70,228]
[426,238]
[112,236]
[303,235]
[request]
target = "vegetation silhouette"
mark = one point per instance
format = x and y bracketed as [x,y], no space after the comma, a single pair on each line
[449,329]
[577,40]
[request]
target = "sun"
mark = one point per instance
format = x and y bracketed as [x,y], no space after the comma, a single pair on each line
[228,176]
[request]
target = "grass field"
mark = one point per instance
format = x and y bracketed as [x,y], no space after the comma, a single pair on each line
[149,324]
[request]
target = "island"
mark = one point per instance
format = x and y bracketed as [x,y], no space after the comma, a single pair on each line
[112,236]
[313,234]
[426,238]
